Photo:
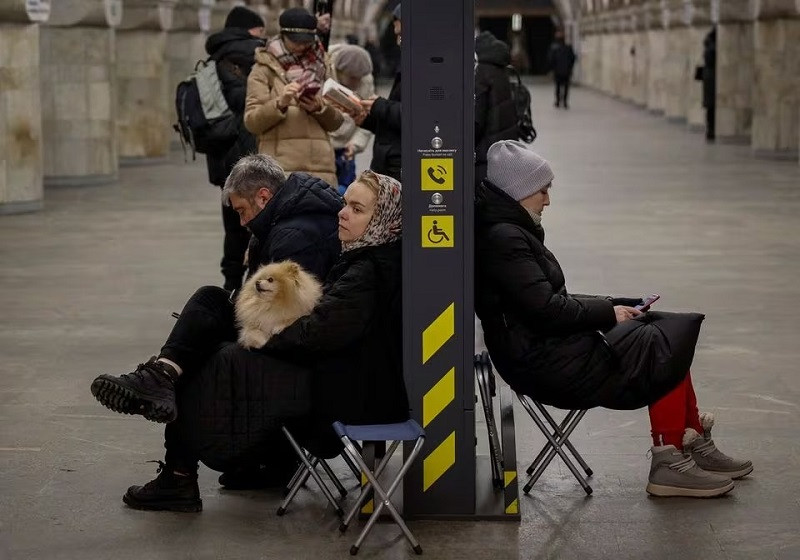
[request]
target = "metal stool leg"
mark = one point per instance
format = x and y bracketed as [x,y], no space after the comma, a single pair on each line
[578,417]
[367,489]
[556,448]
[314,474]
[564,423]
[385,496]
[334,479]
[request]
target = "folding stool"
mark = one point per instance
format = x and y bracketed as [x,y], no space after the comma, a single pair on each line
[556,441]
[308,467]
[396,433]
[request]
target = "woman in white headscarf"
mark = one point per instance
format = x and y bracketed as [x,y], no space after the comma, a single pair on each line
[352,338]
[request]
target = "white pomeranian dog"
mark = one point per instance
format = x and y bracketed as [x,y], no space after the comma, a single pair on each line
[272,299]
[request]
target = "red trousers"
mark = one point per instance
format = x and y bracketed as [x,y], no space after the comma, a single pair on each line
[673,413]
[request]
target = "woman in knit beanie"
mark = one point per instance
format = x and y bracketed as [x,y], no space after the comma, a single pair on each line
[578,352]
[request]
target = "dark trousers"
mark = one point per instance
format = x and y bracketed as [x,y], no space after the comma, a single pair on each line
[562,90]
[206,322]
[710,121]
[236,239]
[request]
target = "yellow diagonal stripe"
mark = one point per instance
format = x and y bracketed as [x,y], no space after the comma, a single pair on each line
[510,476]
[438,332]
[513,507]
[369,506]
[438,397]
[437,463]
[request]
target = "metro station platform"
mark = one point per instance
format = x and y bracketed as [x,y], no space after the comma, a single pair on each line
[639,205]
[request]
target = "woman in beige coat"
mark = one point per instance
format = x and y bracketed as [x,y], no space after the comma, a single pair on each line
[284,108]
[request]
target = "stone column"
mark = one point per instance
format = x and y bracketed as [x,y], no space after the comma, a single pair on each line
[144,117]
[185,47]
[701,25]
[677,60]
[777,79]
[640,55]
[735,71]
[657,51]
[20,106]
[78,91]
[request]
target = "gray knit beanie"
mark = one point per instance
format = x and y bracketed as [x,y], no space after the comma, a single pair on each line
[516,170]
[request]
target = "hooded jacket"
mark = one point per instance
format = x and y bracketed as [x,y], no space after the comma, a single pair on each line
[495,113]
[545,342]
[233,50]
[297,139]
[299,223]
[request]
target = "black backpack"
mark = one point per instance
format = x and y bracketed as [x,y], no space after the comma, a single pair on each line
[522,103]
[205,122]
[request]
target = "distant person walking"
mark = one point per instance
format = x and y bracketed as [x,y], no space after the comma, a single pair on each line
[561,59]
[710,82]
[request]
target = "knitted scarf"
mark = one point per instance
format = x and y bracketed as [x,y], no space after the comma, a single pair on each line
[306,68]
[386,224]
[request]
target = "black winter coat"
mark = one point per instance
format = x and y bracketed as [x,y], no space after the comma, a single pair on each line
[299,223]
[233,50]
[353,340]
[544,341]
[385,121]
[561,59]
[495,113]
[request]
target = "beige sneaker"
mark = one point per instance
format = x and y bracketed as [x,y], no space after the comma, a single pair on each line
[673,473]
[708,457]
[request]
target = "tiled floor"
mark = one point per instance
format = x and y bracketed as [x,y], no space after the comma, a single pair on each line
[638,205]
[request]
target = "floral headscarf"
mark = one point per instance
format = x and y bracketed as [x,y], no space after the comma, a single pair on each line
[307,68]
[386,224]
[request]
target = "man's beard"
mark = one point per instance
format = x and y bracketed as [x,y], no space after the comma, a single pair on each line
[535,216]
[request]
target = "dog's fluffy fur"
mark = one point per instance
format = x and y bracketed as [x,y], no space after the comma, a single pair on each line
[272,299]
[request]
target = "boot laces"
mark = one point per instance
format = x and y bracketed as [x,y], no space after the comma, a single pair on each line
[161,472]
[150,371]
[706,449]
[685,464]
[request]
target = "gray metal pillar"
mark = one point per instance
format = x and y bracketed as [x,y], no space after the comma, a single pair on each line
[438,193]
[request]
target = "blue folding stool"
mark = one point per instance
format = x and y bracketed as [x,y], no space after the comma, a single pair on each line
[396,433]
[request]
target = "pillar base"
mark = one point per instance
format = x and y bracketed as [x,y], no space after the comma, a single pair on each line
[789,154]
[79,180]
[8,208]
[141,161]
[740,140]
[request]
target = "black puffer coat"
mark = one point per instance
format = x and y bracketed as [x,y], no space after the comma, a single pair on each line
[353,340]
[495,114]
[385,121]
[233,50]
[544,341]
[232,409]
[300,223]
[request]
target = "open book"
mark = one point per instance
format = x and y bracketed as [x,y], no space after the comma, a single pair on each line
[336,93]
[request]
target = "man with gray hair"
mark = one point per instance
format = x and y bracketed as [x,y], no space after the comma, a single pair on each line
[294,218]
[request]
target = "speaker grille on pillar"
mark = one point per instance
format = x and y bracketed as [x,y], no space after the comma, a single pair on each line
[436,93]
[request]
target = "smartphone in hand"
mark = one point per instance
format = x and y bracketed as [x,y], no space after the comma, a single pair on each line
[647,301]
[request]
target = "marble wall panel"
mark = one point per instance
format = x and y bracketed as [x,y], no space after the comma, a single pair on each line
[776,87]
[735,75]
[144,115]
[21,185]
[77,69]
[656,89]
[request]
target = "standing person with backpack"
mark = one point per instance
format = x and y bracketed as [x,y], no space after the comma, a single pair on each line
[284,107]
[561,59]
[495,112]
[233,50]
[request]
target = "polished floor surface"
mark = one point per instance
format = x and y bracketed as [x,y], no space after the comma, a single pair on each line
[639,205]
